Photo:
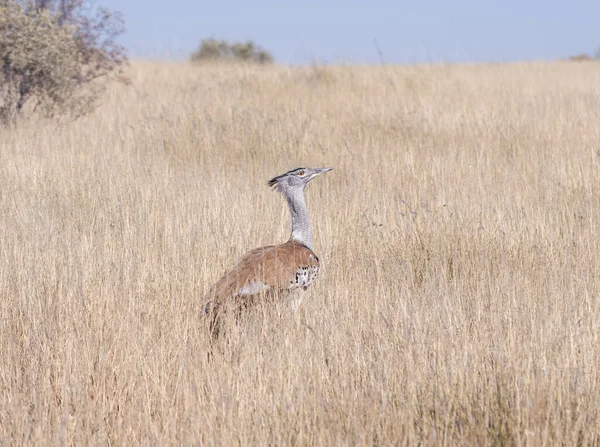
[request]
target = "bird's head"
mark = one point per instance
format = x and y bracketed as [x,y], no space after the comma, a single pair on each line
[295,179]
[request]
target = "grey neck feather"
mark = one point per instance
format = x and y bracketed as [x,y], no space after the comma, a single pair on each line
[301,227]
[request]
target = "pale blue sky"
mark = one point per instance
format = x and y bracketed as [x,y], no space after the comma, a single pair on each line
[332,31]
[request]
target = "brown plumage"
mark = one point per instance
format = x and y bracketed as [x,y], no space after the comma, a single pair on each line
[275,269]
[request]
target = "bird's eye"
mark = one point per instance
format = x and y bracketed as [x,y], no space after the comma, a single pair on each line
[300,173]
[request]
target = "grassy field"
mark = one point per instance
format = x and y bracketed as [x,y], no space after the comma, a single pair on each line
[459,297]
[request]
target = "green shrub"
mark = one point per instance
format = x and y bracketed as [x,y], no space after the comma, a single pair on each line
[580,57]
[221,50]
[53,57]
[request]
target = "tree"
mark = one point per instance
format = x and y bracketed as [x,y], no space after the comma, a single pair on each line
[221,50]
[53,55]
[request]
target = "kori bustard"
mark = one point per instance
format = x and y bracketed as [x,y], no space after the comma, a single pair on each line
[286,268]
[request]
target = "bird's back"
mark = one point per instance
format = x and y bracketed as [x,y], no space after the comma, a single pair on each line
[273,268]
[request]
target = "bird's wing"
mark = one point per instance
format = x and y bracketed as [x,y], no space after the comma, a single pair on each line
[264,269]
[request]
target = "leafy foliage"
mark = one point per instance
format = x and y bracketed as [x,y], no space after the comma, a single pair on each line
[221,50]
[49,51]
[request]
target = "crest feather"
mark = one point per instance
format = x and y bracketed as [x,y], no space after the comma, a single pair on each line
[275,181]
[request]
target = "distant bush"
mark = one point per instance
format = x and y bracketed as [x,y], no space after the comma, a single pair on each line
[49,51]
[586,56]
[221,50]
[581,57]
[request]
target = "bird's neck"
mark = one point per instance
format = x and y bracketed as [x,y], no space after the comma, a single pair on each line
[301,227]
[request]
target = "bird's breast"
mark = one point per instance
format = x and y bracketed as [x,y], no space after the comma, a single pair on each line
[305,276]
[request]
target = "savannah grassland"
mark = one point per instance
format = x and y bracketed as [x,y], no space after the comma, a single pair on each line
[459,296]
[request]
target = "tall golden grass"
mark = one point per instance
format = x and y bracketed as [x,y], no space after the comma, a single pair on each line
[459,298]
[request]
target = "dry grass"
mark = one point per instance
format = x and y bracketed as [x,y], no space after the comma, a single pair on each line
[459,299]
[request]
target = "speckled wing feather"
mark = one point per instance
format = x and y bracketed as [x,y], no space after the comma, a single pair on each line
[282,267]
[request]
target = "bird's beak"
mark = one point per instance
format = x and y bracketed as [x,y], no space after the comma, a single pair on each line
[317,172]
[320,171]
